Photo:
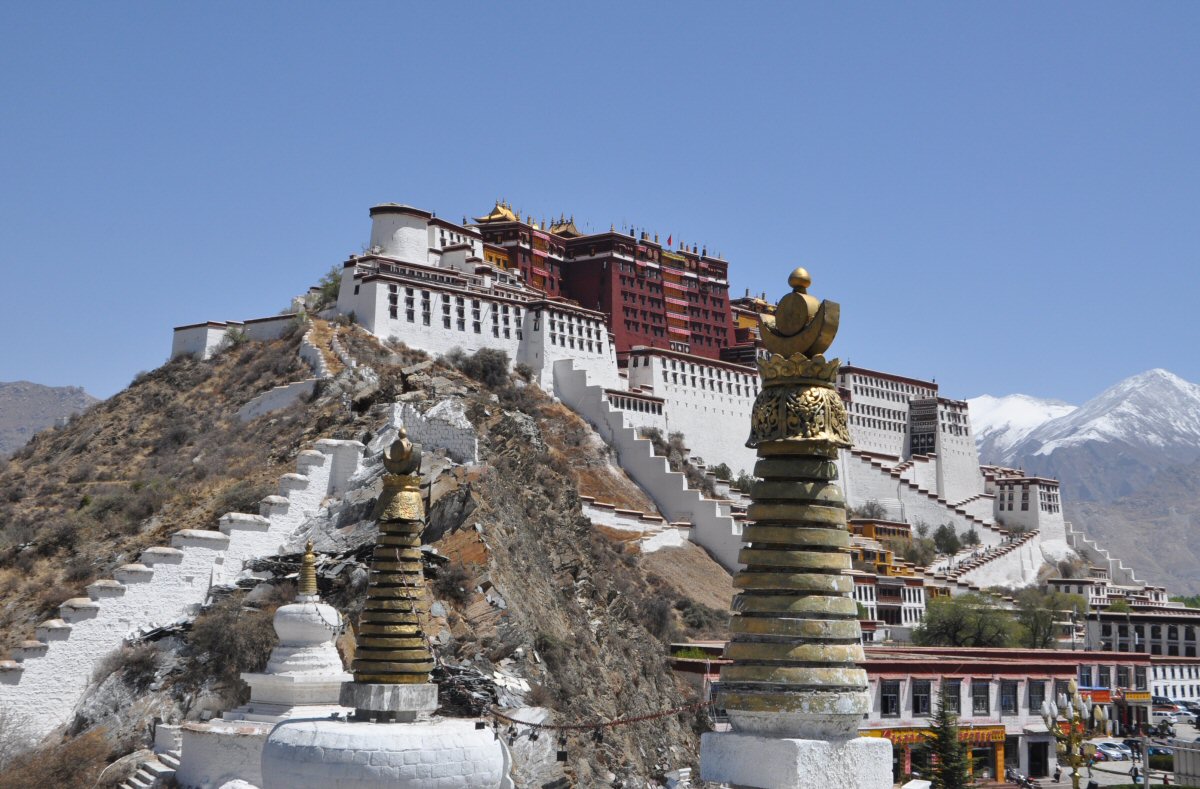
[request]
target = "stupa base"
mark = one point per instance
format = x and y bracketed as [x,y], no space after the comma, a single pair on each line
[756,762]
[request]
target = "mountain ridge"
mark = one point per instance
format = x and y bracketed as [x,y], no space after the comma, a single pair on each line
[1128,460]
[27,407]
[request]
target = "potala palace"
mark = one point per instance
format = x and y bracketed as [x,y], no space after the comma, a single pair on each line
[634,335]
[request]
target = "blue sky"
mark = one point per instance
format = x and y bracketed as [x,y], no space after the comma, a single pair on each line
[1002,196]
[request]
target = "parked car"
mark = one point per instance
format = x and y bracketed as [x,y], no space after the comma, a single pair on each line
[1120,746]
[1158,716]
[1113,752]
[1161,700]
[1158,750]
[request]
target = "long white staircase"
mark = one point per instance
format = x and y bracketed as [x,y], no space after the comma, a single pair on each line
[1117,571]
[49,674]
[714,530]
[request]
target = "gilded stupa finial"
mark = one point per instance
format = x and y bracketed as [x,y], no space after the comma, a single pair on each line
[307,586]
[801,324]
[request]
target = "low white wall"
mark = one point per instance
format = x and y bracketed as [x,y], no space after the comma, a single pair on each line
[272,328]
[214,754]
[717,533]
[169,584]
[444,426]
[201,340]
[277,398]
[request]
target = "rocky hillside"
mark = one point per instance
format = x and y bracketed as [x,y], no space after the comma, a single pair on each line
[1128,460]
[26,408]
[526,591]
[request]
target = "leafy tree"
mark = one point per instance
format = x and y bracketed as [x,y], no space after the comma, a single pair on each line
[1038,610]
[950,753]
[871,509]
[971,537]
[946,539]
[969,620]
[328,287]
[920,551]
[1189,602]
[722,472]
[922,529]
[744,482]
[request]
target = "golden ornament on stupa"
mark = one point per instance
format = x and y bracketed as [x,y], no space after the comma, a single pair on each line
[392,646]
[795,639]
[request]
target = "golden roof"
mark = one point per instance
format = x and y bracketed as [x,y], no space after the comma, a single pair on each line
[565,227]
[501,213]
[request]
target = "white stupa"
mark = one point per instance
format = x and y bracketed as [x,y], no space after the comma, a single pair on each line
[394,741]
[302,680]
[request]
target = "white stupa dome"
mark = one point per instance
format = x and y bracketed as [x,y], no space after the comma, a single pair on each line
[360,755]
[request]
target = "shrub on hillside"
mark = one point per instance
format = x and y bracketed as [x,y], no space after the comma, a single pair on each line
[487,365]
[227,639]
[74,762]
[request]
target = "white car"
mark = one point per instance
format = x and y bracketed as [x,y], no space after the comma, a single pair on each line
[1120,746]
[1113,752]
[1185,716]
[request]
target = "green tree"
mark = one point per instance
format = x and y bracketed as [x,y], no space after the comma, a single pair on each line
[969,620]
[971,537]
[946,539]
[1188,602]
[722,472]
[1037,613]
[328,287]
[949,752]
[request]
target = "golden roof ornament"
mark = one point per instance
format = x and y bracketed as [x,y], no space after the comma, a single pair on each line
[795,639]
[307,583]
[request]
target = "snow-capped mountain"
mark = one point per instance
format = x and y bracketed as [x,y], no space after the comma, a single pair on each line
[1104,449]
[1128,460]
[1000,423]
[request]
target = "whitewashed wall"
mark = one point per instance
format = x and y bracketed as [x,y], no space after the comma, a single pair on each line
[714,418]
[166,585]
[201,340]
[712,529]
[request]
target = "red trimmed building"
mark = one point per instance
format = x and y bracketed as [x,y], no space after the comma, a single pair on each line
[653,296]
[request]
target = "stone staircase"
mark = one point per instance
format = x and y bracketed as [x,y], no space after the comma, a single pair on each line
[713,527]
[1117,571]
[48,675]
[286,394]
[155,773]
[914,498]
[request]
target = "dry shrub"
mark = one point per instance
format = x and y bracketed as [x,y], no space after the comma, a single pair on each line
[74,762]
[226,640]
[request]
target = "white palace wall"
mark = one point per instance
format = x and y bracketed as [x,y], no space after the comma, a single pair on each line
[710,403]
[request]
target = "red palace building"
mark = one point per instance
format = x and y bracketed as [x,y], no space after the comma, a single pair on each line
[653,296]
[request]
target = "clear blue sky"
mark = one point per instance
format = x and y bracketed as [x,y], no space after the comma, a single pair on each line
[1003,196]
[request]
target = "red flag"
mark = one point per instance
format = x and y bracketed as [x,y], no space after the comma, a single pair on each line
[669,240]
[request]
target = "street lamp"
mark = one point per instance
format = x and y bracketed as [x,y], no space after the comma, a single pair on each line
[1072,733]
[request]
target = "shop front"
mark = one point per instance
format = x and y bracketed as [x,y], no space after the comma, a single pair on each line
[910,749]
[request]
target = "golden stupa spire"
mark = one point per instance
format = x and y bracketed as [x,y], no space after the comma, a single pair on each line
[795,642]
[307,584]
[392,648]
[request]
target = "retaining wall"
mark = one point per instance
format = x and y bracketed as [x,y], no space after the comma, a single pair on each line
[168,584]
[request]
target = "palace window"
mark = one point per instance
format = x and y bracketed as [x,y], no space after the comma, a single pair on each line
[921,697]
[953,695]
[981,701]
[1008,697]
[1037,694]
[889,698]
